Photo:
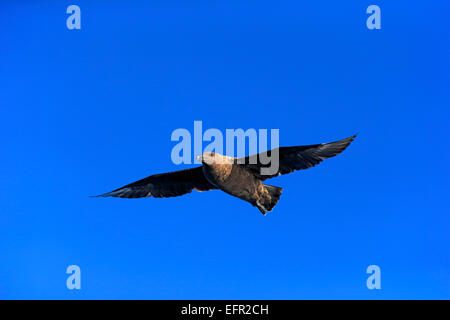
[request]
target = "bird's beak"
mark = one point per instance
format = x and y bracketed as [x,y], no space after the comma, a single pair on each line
[199,158]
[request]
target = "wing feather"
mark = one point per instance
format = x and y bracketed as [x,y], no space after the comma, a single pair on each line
[294,158]
[164,185]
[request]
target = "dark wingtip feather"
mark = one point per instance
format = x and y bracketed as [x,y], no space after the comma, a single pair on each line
[115,193]
[350,139]
[332,149]
[101,195]
[345,141]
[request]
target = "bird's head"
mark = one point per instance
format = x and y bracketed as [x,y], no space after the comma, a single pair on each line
[211,158]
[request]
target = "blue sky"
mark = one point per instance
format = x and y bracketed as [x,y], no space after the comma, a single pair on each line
[85,111]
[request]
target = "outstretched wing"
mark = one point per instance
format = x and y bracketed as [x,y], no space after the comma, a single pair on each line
[293,158]
[164,185]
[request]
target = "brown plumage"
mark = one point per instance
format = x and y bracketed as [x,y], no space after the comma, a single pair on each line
[239,177]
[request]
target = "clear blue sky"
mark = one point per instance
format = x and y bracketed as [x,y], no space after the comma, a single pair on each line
[85,111]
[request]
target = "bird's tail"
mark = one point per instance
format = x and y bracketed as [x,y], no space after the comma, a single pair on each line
[271,199]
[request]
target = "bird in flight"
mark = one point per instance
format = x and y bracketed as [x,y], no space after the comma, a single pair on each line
[239,177]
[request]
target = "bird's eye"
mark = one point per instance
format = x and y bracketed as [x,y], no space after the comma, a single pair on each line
[212,154]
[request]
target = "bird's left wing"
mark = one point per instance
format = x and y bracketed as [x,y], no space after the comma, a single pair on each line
[164,185]
[293,158]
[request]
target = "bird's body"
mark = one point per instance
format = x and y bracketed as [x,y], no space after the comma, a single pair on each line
[229,178]
[239,177]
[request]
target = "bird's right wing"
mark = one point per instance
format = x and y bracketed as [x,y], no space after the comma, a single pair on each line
[164,185]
